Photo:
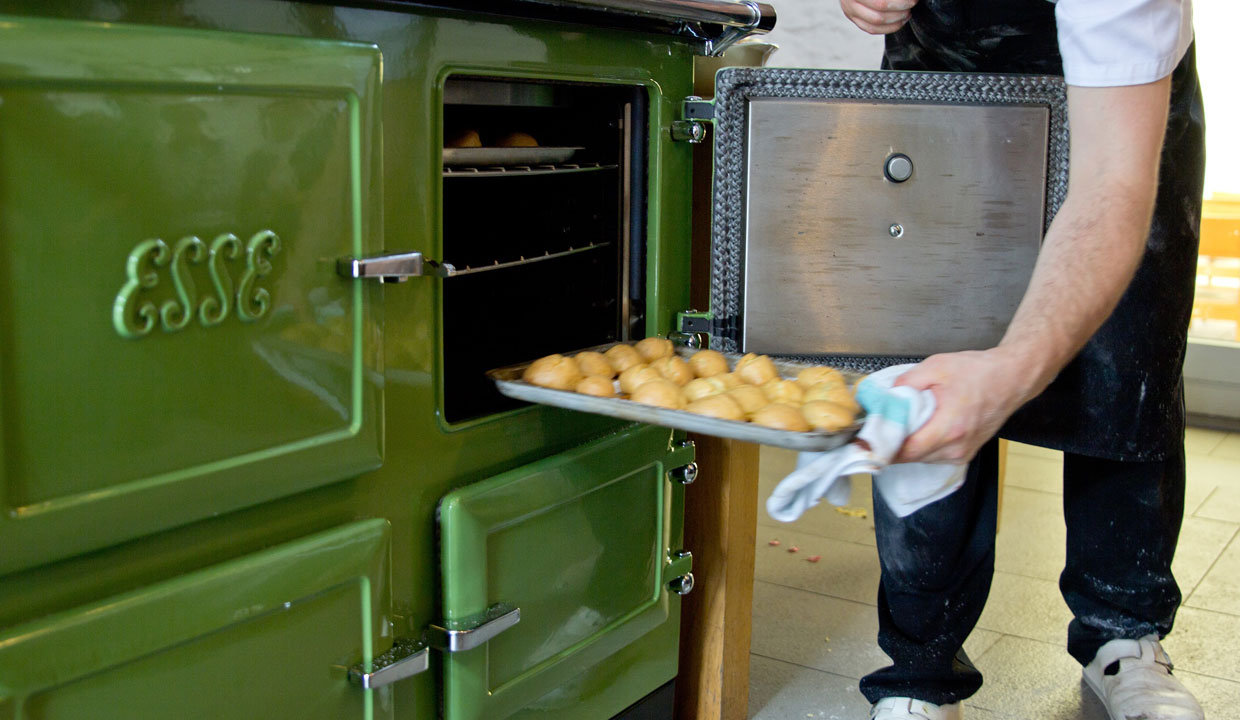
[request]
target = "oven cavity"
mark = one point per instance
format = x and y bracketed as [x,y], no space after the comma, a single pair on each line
[543,225]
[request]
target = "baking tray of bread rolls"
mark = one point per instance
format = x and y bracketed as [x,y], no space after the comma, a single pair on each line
[748,397]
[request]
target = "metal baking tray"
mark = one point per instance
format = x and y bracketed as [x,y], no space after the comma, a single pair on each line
[508,381]
[492,156]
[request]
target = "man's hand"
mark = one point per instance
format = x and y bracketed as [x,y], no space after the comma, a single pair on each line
[974,393]
[878,17]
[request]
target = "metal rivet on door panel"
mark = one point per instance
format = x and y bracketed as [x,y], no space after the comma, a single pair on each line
[898,167]
[685,474]
[896,230]
[681,584]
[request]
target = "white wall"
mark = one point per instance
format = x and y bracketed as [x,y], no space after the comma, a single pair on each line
[815,34]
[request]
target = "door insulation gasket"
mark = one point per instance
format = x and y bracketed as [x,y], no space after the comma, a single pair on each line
[735,87]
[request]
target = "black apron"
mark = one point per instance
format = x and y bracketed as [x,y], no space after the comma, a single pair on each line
[1122,397]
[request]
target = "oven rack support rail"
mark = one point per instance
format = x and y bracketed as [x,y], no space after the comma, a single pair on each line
[399,267]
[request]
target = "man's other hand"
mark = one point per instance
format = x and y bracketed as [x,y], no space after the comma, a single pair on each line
[975,392]
[878,17]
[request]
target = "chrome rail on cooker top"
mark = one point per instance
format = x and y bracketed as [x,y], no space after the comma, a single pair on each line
[737,19]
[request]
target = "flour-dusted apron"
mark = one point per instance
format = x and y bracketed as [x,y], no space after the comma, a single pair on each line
[1122,397]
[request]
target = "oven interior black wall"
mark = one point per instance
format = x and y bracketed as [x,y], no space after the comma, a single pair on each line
[569,233]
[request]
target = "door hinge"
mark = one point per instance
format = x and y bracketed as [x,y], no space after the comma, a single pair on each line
[695,113]
[695,108]
[678,569]
[692,321]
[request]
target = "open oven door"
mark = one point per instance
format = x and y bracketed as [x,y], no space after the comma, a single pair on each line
[561,581]
[869,218]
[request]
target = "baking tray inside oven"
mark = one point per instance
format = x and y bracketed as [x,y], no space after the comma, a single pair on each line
[508,381]
[496,156]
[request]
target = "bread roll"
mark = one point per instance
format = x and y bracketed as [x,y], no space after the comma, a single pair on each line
[517,139]
[596,385]
[708,363]
[673,368]
[553,371]
[812,376]
[784,391]
[637,376]
[593,363]
[660,392]
[756,369]
[827,416]
[749,397]
[780,417]
[622,357]
[463,139]
[730,380]
[704,387]
[717,406]
[831,392]
[653,348]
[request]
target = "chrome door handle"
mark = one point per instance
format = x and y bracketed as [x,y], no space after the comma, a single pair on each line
[407,658]
[494,621]
[397,267]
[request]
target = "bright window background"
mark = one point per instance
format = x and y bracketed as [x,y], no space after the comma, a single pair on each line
[1216,314]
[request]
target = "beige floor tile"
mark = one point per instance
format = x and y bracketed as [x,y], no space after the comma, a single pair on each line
[844,570]
[1204,643]
[1026,607]
[1222,504]
[1034,472]
[826,633]
[1031,534]
[1034,451]
[1030,679]
[1202,543]
[801,627]
[823,519]
[1201,441]
[1205,473]
[783,691]
[1219,590]
[1218,697]
[1228,448]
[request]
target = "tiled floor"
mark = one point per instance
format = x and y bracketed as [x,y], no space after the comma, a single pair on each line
[814,624]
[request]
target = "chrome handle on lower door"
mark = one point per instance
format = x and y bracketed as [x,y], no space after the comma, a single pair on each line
[471,633]
[407,658]
[397,267]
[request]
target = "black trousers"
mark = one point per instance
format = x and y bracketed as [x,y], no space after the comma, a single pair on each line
[1123,522]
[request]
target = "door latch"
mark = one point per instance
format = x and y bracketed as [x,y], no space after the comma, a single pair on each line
[474,631]
[397,267]
[407,658]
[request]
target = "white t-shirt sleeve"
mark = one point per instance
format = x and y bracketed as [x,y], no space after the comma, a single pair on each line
[1105,43]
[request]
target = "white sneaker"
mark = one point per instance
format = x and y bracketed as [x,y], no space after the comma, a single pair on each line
[1140,685]
[902,708]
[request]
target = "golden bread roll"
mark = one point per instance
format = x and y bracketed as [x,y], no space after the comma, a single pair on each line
[717,406]
[812,376]
[831,392]
[749,397]
[827,416]
[653,348]
[463,139]
[596,385]
[784,391]
[637,376]
[593,363]
[704,387]
[660,392]
[780,417]
[553,371]
[622,357]
[517,139]
[756,369]
[730,380]
[674,368]
[708,363]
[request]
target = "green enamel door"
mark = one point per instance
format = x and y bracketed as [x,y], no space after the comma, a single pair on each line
[175,341]
[269,635]
[584,545]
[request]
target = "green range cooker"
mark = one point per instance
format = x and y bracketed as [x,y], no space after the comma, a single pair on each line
[255,257]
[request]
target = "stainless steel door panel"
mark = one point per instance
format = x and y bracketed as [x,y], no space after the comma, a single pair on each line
[841,259]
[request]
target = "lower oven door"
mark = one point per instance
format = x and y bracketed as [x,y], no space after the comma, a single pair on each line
[875,216]
[268,635]
[584,545]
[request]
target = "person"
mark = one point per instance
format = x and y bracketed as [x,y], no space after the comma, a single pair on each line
[1091,363]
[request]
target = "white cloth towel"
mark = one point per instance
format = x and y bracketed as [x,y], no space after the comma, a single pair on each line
[892,414]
